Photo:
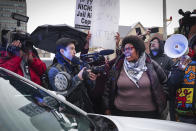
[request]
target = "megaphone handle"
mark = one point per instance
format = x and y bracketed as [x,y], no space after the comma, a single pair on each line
[184,63]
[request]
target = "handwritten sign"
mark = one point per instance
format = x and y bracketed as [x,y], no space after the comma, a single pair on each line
[83,14]
[104,24]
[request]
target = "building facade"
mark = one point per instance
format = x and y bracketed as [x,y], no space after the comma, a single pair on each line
[131,30]
[7,7]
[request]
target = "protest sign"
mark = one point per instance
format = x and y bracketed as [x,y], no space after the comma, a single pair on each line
[83,14]
[104,23]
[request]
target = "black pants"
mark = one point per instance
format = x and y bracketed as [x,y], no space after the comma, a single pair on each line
[186,119]
[141,114]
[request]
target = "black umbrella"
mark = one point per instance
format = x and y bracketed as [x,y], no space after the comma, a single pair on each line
[44,37]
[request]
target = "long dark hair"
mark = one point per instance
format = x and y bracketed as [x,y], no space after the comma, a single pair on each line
[161,45]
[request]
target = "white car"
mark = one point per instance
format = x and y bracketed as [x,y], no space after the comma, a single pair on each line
[26,106]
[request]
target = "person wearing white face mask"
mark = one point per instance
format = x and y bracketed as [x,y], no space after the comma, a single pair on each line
[67,77]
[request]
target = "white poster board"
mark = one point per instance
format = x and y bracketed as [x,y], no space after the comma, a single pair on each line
[83,14]
[104,23]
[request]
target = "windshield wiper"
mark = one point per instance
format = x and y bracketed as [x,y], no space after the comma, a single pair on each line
[64,121]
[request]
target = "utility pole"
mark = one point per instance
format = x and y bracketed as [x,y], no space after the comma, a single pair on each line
[164,20]
[0,35]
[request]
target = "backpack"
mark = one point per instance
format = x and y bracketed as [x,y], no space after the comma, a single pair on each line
[44,78]
[62,71]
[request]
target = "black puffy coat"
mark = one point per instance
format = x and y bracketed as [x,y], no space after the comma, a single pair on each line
[163,60]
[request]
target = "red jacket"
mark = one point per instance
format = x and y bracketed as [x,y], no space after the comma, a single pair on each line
[36,68]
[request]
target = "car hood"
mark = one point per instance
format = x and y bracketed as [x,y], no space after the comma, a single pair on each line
[143,124]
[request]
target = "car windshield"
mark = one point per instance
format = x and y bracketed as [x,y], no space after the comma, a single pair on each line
[24,107]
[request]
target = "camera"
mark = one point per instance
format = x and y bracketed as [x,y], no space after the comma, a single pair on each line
[93,59]
[186,22]
[98,69]
[97,58]
[23,37]
[8,36]
[94,68]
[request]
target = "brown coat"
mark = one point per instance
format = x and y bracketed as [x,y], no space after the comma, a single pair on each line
[157,79]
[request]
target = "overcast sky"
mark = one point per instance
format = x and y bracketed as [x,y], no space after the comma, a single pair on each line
[148,12]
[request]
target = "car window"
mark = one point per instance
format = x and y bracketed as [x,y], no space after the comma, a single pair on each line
[24,107]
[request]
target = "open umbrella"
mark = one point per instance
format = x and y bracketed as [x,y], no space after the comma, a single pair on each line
[44,37]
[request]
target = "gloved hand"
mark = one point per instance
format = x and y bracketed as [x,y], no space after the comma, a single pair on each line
[15,48]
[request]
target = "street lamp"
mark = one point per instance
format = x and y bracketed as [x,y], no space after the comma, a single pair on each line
[19,18]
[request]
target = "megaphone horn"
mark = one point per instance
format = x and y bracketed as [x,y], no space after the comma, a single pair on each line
[176,46]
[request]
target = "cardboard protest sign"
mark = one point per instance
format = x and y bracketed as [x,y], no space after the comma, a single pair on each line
[83,14]
[104,24]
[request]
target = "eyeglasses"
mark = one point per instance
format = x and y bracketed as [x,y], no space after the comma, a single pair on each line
[154,42]
[129,48]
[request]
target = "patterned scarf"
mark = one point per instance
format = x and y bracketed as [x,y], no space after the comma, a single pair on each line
[135,70]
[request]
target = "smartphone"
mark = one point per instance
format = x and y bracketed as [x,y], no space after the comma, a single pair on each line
[138,31]
[154,30]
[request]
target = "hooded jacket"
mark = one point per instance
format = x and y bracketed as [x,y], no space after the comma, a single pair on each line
[163,60]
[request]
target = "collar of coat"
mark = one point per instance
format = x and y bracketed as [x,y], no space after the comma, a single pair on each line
[62,60]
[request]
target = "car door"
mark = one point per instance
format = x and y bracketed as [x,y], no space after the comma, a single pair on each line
[24,107]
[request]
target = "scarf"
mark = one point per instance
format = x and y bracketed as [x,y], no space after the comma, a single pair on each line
[135,70]
[70,67]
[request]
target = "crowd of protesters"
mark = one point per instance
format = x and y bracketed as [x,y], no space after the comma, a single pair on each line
[136,84]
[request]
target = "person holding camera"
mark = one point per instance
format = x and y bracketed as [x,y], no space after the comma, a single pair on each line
[24,61]
[97,93]
[69,78]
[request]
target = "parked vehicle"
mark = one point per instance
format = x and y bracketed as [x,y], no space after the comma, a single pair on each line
[26,106]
